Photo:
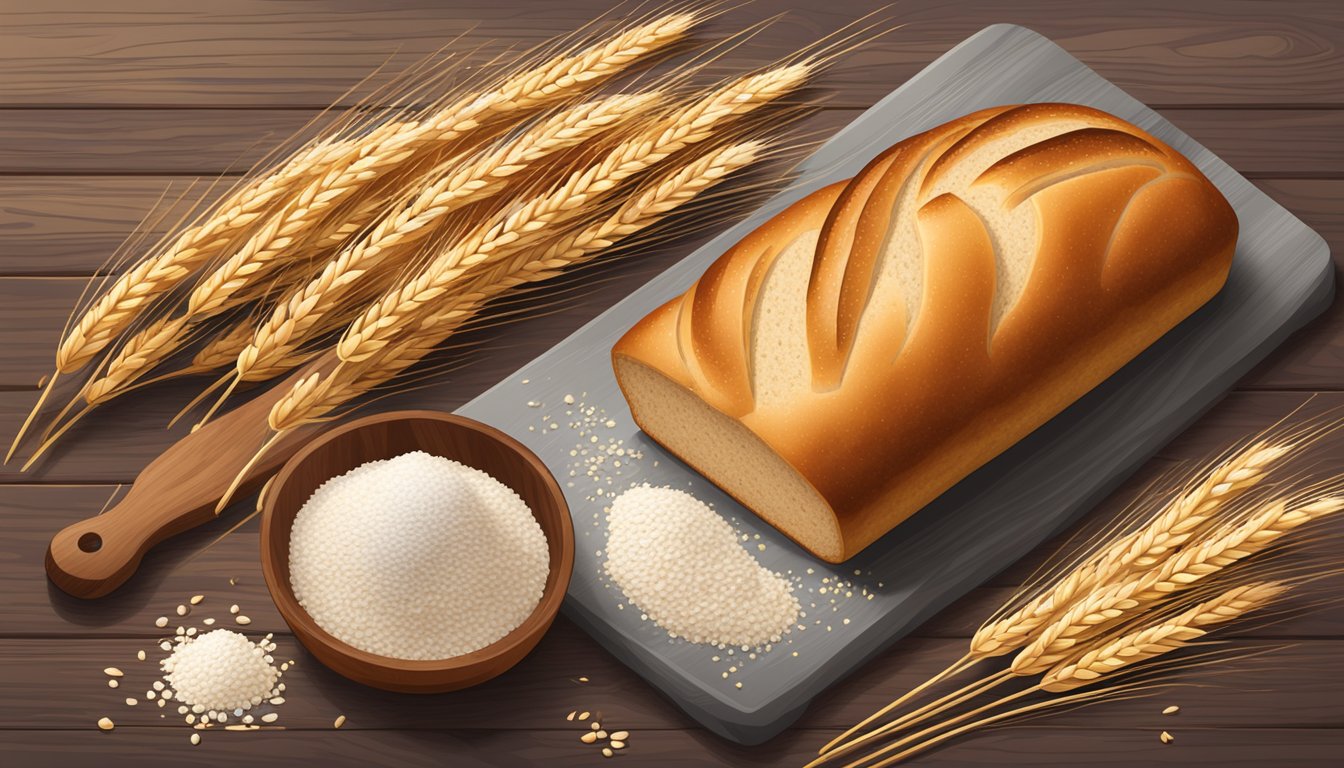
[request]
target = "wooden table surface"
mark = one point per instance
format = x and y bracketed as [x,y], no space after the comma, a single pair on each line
[101,109]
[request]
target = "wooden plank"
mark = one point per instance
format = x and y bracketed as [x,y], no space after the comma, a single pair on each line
[33,312]
[1120,746]
[73,225]
[250,53]
[145,142]
[152,142]
[1292,688]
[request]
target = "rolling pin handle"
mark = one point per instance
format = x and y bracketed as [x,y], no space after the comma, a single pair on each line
[92,557]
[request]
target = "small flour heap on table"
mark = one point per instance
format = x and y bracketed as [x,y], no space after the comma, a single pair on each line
[417,557]
[220,671]
[681,563]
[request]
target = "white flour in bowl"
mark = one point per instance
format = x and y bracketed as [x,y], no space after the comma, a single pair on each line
[417,557]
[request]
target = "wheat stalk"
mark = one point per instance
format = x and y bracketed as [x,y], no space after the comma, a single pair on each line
[293,319]
[1107,659]
[1171,528]
[315,396]
[221,225]
[1166,531]
[349,167]
[518,227]
[528,90]
[1112,604]
[163,337]
[1095,614]
[134,290]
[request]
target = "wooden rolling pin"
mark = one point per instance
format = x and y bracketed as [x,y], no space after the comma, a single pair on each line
[176,492]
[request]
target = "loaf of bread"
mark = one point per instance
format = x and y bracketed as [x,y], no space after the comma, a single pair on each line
[882,338]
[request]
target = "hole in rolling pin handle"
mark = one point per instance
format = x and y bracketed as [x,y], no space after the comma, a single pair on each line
[90,542]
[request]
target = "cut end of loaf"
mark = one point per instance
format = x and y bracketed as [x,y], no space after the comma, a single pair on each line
[730,456]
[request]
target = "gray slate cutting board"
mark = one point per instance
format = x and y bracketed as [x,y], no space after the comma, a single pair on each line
[1280,279]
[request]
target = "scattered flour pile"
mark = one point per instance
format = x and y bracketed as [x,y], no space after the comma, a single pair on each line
[682,565]
[220,671]
[417,557]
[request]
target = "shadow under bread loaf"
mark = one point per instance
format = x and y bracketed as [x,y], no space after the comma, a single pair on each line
[882,338]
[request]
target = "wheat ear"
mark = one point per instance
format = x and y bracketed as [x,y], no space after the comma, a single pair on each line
[1107,608]
[134,290]
[292,320]
[286,229]
[1162,638]
[1110,605]
[1107,658]
[528,90]
[530,222]
[315,396]
[1171,527]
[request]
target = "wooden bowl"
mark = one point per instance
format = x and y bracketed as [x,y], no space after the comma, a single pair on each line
[384,436]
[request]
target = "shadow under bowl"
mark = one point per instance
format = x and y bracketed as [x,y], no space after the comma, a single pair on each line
[384,436]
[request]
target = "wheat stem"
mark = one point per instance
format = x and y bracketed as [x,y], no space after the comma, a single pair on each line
[32,414]
[953,669]
[932,709]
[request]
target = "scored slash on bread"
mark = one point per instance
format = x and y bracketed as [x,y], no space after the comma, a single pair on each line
[882,338]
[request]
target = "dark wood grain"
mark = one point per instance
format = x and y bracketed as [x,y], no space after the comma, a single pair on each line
[193,142]
[101,109]
[231,53]
[1290,688]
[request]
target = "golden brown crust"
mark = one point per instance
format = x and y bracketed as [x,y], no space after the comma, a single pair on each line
[1129,238]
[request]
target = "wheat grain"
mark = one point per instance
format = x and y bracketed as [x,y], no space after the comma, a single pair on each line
[1169,529]
[137,356]
[315,396]
[1177,632]
[528,222]
[293,320]
[224,348]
